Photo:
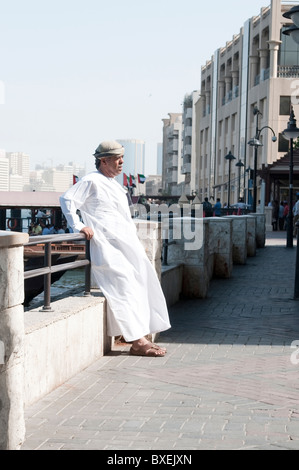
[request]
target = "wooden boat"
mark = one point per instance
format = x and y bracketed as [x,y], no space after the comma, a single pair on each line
[64,248]
[35,285]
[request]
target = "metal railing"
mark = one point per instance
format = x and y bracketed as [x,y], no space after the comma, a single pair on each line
[48,241]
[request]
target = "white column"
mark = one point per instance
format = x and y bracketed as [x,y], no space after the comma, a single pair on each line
[12,423]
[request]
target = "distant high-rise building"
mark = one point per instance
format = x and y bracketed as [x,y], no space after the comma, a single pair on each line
[134,158]
[172,152]
[57,179]
[19,164]
[4,174]
[159,159]
[16,183]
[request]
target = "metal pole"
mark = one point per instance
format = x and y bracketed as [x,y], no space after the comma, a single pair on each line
[296,294]
[47,278]
[290,242]
[87,270]
[255,164]
[228,197]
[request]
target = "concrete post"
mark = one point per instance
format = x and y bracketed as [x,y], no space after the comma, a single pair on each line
[12,424]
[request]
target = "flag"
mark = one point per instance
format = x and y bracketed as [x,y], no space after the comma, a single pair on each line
[125,183]
[132,181]
[75,179]
[141,179]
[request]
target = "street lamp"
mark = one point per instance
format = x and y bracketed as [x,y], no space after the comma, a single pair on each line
[240,165]
[249,172]
[291,133]
[255,142]
[230,158]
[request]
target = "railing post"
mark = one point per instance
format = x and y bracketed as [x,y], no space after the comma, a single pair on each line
[47,279]
[87,270]
[296,294]
[165,253]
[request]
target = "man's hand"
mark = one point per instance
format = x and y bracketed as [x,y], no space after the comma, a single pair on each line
[88,232]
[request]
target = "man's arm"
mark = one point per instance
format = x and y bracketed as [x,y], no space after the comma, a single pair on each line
[70,203]
[88,232]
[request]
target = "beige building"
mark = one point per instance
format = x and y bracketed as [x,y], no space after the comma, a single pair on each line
[19,170]
[256,69]
[172,177]
[4,173]
[153,185]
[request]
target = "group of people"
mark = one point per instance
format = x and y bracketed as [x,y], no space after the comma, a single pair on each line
[280,212]
[43,227]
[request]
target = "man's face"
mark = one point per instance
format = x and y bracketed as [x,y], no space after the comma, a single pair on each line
[112,166]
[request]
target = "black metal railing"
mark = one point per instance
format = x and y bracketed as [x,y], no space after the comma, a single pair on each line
[49,241]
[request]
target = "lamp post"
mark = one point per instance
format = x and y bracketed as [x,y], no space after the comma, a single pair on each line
[255,142]
[249,172]
[240,165]
[230,158]
[291,133]
[293,31]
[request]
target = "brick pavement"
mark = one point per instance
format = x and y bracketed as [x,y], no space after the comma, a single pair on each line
[227,381]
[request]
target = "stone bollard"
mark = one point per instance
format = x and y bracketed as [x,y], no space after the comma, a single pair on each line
[192,253]
[239,239]
[12,423]
[260,230]
[150,236]
[221,246]
[251,235]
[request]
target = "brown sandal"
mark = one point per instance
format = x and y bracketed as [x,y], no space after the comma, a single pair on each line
[149,350]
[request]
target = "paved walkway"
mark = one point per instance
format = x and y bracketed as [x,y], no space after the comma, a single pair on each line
[229,380]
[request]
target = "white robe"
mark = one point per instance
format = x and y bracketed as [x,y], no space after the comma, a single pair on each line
[120,265]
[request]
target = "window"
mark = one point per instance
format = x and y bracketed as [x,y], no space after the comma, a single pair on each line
[285,105]
[289,50]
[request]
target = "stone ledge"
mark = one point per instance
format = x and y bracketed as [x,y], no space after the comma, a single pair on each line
[36,318]
[11,239]
[59,344]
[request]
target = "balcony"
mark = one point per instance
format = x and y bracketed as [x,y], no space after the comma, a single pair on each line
[188,131]
[288,71]
[188,150]
[186,168]
[189,113]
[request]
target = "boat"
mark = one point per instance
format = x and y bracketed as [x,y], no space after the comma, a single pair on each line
[35,285]
[64,248]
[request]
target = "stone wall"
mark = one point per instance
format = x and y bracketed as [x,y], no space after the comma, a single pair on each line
[224,242]
[42,350]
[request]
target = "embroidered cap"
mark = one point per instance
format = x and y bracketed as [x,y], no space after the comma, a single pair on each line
[109,149]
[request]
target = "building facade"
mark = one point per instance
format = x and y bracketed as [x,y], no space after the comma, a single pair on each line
[247,88]
[172,177]
[256,70]
[189,157]
[134,158]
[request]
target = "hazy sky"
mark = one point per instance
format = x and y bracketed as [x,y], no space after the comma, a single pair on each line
[77,72]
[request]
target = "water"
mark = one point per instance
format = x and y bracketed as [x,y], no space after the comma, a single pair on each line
[72,279]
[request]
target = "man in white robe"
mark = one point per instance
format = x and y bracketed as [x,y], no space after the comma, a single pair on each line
[120,265]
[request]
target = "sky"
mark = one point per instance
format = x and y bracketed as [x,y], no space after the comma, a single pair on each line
[74,73]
